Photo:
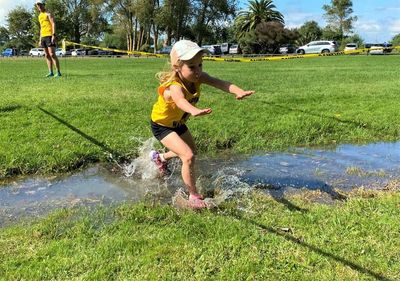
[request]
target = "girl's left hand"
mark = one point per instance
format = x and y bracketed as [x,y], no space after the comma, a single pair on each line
[244,94]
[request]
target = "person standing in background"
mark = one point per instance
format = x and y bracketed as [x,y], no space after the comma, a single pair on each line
[47,38]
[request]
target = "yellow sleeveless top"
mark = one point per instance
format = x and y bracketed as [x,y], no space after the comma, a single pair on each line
[167,113]
[45,25]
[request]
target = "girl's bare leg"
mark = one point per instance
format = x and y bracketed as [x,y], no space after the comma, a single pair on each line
[179,147]
[188,139]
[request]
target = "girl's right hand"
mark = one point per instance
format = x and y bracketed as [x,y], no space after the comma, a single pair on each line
[199,112]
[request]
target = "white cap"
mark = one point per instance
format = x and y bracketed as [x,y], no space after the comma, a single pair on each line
[40,2]
[184,50]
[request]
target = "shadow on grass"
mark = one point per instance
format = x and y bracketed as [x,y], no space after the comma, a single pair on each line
[356,124]
[9,108]
[114,154]
[310,247]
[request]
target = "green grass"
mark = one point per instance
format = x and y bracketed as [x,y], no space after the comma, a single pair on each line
[102,106]
[354,240]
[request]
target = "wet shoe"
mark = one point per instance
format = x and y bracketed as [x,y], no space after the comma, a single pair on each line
[162,166]
[50,74]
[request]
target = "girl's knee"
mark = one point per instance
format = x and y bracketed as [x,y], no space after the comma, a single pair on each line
[188,157]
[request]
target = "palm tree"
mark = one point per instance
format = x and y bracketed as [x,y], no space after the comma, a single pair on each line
[259,11]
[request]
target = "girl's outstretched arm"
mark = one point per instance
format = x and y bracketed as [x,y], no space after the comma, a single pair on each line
[179,98]
[225,86]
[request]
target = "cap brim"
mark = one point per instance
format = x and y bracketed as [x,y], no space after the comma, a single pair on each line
[191,54]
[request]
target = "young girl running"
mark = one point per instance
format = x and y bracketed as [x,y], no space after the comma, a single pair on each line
[177,97]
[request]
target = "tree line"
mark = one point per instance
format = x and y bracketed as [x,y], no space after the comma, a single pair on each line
[135,25]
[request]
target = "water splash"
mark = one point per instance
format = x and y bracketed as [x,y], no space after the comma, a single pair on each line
[142,167]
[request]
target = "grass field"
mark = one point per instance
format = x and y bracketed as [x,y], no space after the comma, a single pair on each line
[353,240]
[102,106]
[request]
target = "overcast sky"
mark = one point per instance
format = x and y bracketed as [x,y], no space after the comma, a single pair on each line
[378,20]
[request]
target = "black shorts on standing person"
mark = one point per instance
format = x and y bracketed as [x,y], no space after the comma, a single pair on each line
[46,42]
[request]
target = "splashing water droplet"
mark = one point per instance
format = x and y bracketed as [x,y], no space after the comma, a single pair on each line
[142,166]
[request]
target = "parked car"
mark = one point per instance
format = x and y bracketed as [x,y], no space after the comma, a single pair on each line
[24,53]
[93,52]
[351,46]
[78,52]
[225,48]
[7,52]
[214,50]
[165,50]
[380,49]
[234,49]
[37,52]
[287,49]
[318,47]
[60,52]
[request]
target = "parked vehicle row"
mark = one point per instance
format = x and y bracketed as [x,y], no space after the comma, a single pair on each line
[313,47]
[214,50]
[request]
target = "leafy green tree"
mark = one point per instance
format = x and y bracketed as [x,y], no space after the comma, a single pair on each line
[248,43]
[338,16]
[124,20]
[396,40]
[4,36]
[86,18]
[259,11]
[272,34]
[209,16]
[20,28]
[329,33]
[309,31]
[174,18]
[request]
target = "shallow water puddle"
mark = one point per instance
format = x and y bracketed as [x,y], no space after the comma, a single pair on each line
[344,167]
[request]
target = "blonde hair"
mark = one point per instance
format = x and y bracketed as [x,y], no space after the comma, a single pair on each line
[170,74]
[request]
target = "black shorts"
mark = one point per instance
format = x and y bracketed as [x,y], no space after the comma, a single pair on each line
[46,42]
[161,132]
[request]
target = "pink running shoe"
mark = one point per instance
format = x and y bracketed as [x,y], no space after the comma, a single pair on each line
[162,166]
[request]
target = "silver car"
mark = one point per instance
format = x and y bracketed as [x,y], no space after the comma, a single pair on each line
[318,47]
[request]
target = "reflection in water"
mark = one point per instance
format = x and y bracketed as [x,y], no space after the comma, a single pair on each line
[278,173]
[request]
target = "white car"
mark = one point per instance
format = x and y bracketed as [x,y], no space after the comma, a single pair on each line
[60,52]
[225,48]
[37,52]
[380,49]
[78,52]
[351,47]
[234,49]
[318,47]
[214,50]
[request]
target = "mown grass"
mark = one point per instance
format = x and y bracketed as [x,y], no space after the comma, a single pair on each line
[353,240]
[102,106]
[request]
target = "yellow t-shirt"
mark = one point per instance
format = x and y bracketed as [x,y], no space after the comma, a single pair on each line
[167,113]
[45,25]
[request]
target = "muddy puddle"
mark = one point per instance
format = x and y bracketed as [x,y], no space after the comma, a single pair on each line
[345,167]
